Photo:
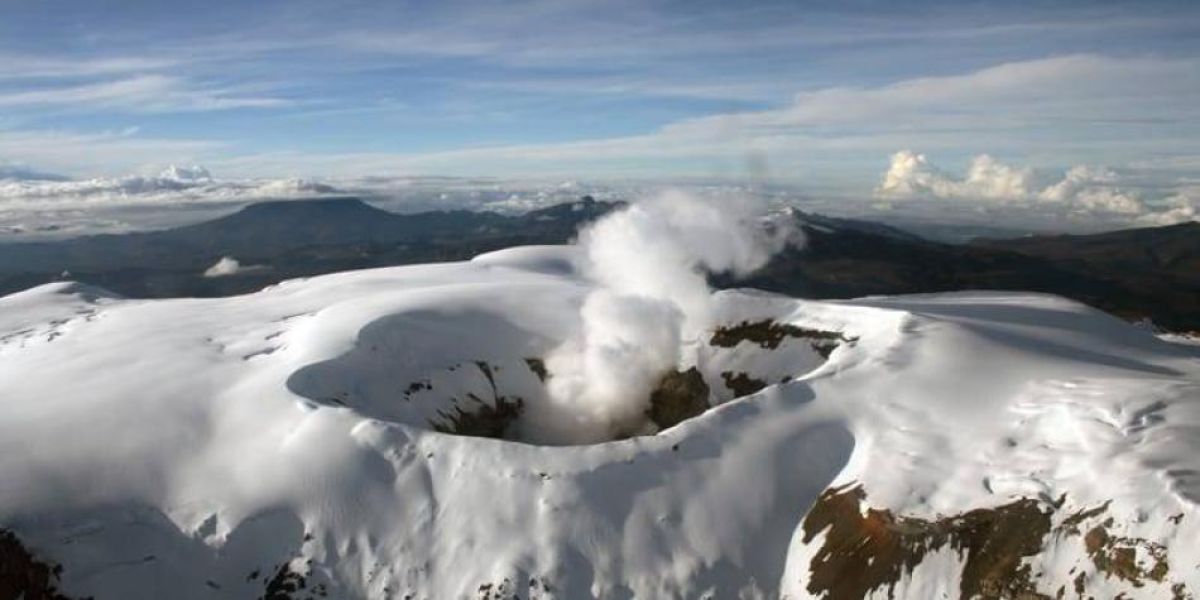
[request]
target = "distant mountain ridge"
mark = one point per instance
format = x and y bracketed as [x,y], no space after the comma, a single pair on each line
[1172,247]
[1149,273]
[285,224]
[294,237]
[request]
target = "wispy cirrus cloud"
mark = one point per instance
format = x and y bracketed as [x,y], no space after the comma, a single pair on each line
[599,89]
[1077,108]
[101,152]
[1055,111]
[17,66]
[144,93]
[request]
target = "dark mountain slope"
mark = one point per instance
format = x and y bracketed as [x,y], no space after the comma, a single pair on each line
[288,239]
[1173,250]
[268,228]
[1144,273]
[257,231]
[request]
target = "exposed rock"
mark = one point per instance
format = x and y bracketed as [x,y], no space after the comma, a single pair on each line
[416,387]
[25,576]
[768,334]
[680,395]
[490,420]
[875,549]
[287,584]
[872,550]
[538,366]
[1116,556]
[742,384]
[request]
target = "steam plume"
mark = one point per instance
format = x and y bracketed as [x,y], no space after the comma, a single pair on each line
[649,262]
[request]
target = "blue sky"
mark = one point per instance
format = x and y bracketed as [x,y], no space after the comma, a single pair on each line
[821,93]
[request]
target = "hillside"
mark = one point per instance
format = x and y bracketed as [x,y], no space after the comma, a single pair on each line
[320,438]
[294,238]
[1137,274]
[1151,273]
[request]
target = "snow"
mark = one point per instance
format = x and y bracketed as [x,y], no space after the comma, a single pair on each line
[168,448]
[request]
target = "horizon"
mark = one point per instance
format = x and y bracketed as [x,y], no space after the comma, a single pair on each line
[1072,116]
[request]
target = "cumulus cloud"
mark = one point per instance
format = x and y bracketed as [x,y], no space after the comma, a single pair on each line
[989,178]
[1082,188]
[194,173]
[1106,199]
[1093,189]
[1180,208]
[911,174]
[1076,180]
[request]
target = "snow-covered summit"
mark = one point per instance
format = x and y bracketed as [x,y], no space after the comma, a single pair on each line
[296,438]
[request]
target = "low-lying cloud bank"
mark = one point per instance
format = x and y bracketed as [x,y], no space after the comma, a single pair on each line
[173,184]
[989,194]
[1081,190]
[37,204]
[33,204]
[23,188]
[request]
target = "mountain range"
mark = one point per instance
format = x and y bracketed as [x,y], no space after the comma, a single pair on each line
[395,433]
[1143,274]
[552,421]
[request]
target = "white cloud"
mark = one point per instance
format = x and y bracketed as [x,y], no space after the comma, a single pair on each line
[15,66]
[1180,208]
[911,174]
[1082,188]
[1055,107]
[1049,107]
[989,178]
[1076,180]
[1108,199]
[174,184]
[123,151]
[1026,98]
[142,93]
[1051,110]
[192,174]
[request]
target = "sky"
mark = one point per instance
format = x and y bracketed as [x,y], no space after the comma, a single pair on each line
[1085,107]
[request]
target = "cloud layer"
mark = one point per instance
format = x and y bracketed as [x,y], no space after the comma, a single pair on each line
[174,184]
[988,193]
[1074,108]
[1081,189]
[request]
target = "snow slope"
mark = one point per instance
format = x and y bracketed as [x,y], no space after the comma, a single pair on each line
[212,448]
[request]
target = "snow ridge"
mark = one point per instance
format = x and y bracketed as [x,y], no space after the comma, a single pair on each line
[211,448]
